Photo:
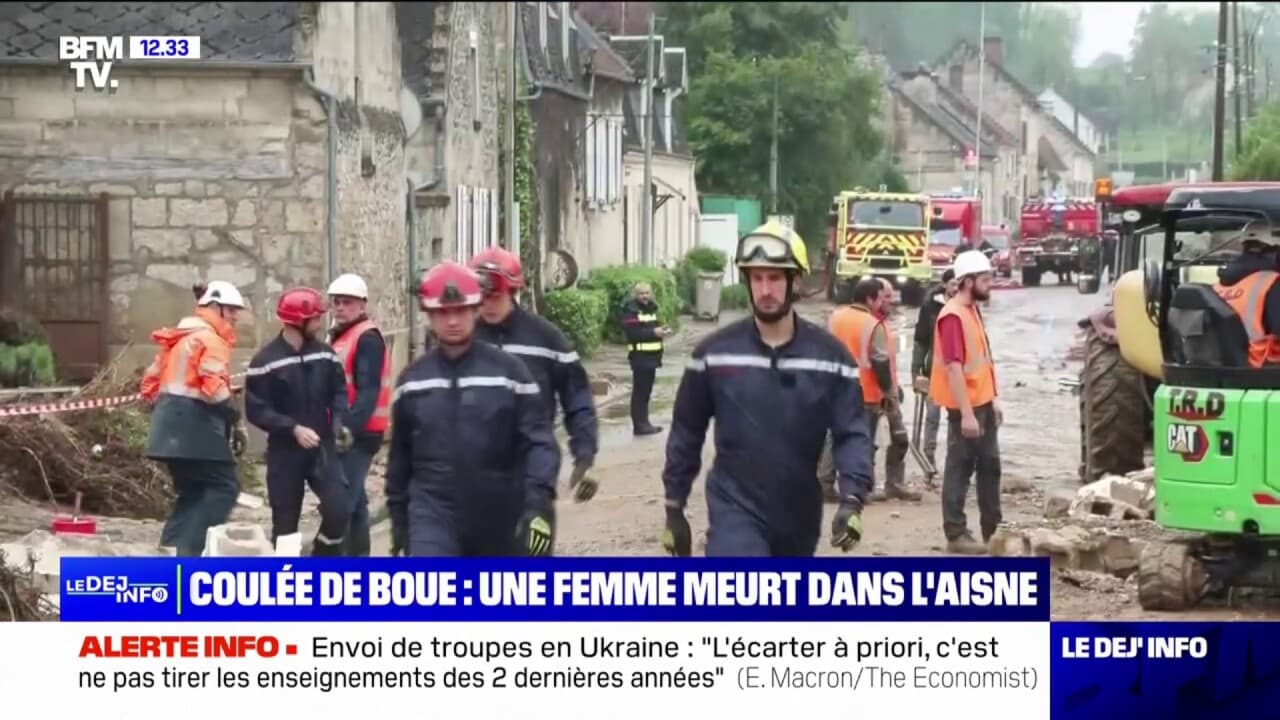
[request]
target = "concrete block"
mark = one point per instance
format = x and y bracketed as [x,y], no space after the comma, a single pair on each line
[1007,542]
[237,540]
[150,212]
[1069,547]
[208,212]
[166,243]
[1146,475]
[1120,554]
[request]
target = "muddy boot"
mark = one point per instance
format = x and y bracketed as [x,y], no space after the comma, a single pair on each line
[647,430]
[877,496]
[966,545]
[902,492]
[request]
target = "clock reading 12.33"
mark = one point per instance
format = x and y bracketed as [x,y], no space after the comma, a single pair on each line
[170,47]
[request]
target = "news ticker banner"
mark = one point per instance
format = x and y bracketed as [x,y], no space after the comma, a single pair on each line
[571,637]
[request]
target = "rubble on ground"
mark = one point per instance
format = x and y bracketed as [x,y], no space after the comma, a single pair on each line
[38,555]
[1115,496]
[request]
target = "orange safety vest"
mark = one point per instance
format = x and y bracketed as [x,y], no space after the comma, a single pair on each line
[344,346]
[1249,299]
[979,370]
[193,361]
[854,326]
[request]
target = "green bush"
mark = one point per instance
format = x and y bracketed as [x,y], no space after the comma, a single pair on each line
[27,365]
[734,297]
[581,314]
[617,283]
[700,259]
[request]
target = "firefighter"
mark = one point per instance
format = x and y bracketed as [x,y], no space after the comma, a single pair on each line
[775,385]
[644,352]
[963,381]
[863,329]
[296,393]
[922,358]
[549,356]
[1110,239]
[194,420]
[366,365]
[473,459]
[1248,284]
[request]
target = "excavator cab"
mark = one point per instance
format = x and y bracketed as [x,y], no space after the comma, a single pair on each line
[1216,427]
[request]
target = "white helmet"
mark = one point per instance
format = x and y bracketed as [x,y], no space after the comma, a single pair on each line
[971,262]
[221,292]
[349,285]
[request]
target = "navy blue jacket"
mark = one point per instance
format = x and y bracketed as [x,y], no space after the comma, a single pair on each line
[773,409]
[469,436]
[557,370]
[285,388]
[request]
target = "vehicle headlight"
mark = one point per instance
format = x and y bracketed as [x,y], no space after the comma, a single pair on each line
[901,279]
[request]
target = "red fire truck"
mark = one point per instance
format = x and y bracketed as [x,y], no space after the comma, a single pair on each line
[955,226]
[1049,233]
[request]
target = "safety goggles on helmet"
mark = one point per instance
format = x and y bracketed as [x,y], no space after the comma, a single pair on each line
[771,249]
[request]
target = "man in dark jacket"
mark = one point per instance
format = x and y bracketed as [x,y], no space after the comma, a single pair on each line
[1250,283]
[775,385]
[922,357]
[473,459]
[296,393]
[644,351]
[366,365]
[547,353]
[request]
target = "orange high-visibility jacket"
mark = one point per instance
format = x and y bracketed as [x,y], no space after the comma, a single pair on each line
[344,346]
[979,371]
[1249,299]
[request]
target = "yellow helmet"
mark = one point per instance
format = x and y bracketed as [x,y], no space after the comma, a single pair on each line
[773,245]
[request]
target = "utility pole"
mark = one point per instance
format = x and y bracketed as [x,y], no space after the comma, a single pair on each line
[1235,72]
[977,134]
[1219,92]
[1249,57]
[646,222]
[513,208]
[773,153]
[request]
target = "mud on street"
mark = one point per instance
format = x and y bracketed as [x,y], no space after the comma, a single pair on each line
[1033,332]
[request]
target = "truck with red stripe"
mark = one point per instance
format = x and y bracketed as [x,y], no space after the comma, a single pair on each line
[954,226]
[1049,235]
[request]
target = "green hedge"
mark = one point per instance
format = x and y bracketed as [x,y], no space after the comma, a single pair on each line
[617,283]
[734,297]
[27,365]
[581,314]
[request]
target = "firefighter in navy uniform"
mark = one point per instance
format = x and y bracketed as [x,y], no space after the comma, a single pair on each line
[775,385]
[296,393]
[366,365]
[644,351]
[473,459]
[547,353]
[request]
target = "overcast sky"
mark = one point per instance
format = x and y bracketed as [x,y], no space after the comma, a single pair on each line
[1106,27]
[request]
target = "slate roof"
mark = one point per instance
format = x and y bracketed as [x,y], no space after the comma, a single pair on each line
[415,22]
[964,46]
[951,126]
[549,66]
[607,62]
[229,31]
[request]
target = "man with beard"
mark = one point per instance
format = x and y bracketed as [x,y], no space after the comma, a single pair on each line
[644,351]
[922,358]
[963,381]
[775,385]
[473,460]
[547,353]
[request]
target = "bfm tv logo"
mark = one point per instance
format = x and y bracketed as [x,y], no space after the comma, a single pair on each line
[119,587]
[1185,439]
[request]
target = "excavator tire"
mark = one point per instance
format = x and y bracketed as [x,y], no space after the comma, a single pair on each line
[1170,578]
[1113,412]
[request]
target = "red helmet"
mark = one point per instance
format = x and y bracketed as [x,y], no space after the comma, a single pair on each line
[450,285]
[499,270]
[299,305]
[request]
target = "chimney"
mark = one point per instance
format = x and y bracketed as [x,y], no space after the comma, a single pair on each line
[993,48]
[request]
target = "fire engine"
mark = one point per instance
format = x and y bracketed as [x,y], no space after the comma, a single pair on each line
[1049,234]
[878,234]
[954,226]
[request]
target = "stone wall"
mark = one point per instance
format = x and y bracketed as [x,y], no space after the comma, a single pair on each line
[211,175]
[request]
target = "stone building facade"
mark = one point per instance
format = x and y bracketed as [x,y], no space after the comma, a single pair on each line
[222,168]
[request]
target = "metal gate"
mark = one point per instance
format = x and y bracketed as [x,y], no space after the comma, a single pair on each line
[54,267]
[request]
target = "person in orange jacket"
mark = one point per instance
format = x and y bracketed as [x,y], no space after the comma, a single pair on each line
[194,421]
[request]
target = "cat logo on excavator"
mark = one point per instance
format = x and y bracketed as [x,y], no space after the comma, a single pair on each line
[1189,441]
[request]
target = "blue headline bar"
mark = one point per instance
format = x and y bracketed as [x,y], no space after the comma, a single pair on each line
[554,589]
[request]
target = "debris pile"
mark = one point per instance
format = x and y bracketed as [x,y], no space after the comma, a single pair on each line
[98,454]
[21,597]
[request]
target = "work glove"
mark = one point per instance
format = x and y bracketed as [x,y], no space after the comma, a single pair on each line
[399,540]
[846,526]
[677,538]
[581,485]
[344,440]
[239,440]
[537,528]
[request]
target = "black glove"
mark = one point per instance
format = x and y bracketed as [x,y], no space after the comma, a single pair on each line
[581,485]
[399,540]
[846,526]
[677,538]
[239,440]
[537,531]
